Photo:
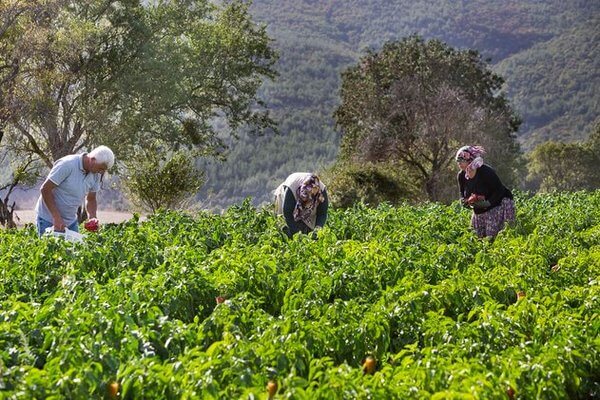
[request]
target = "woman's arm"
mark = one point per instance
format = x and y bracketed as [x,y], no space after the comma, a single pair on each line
[322,211]
[289,204]
[461,188]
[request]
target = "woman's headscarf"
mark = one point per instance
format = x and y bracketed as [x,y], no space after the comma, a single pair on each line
[472,155]
[308,197]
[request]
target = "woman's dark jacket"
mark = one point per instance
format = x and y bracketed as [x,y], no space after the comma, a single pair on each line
[289,204]
[485,182]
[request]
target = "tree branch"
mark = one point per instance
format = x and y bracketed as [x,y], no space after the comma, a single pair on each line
[34,146]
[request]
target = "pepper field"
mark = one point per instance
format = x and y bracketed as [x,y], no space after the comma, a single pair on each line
[445,315]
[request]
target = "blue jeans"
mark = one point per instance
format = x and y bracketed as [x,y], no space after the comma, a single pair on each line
[42,225]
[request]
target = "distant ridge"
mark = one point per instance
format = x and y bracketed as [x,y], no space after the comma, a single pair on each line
[547,52]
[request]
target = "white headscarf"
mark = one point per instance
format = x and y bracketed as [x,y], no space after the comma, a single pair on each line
[472,155]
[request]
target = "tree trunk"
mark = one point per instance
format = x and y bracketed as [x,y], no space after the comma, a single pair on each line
[7,214]
[430,189]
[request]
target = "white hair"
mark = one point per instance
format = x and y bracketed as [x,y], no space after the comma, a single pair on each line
[103,155]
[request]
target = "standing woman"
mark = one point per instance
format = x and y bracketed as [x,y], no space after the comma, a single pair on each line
[481,189]
[302,199]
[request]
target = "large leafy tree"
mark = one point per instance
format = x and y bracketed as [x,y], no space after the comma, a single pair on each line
[125,73]
[415,102]
[15,50]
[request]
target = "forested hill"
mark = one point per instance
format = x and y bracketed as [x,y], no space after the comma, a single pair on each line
[547,51]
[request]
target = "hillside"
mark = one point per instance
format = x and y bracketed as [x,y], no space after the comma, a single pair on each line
[555,84]
[546,51]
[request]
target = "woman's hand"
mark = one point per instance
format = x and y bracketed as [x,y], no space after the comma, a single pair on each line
[480,204]
[474,198]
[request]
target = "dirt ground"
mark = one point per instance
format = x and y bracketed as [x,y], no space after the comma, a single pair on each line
[105,217]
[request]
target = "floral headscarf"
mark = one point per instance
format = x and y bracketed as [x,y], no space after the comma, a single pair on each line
[308,197]
[472,155]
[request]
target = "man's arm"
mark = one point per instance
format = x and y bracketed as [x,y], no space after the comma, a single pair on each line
[48,196]
[91,204]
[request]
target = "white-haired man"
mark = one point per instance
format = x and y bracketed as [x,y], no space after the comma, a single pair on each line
[72,179]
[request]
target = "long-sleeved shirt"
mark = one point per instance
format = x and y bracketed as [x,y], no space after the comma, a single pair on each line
[289,203]
[485,182]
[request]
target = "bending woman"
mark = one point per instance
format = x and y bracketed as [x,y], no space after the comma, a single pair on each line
[481,189]
[302,199]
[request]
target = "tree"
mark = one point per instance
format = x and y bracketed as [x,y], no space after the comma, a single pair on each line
[566,166]
[157,178]
[414,103]
[16,49]
[126,73]
[21,172]
[13,51]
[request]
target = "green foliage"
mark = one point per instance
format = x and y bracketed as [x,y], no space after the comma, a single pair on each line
[317,40]
[127,73]
[415,102]
[245,173]
[412,286]
[544,50]
[370,184]
[554,85]
[157,178]
[566,166]
[15,173]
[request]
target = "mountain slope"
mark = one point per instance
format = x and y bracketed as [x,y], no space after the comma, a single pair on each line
[555,84]
[318,39]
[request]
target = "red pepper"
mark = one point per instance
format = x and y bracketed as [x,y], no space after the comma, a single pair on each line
[91,225]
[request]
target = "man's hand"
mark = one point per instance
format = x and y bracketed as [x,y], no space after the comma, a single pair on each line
[59,225]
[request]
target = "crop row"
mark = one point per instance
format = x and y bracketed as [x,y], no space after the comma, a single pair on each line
[444,314]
